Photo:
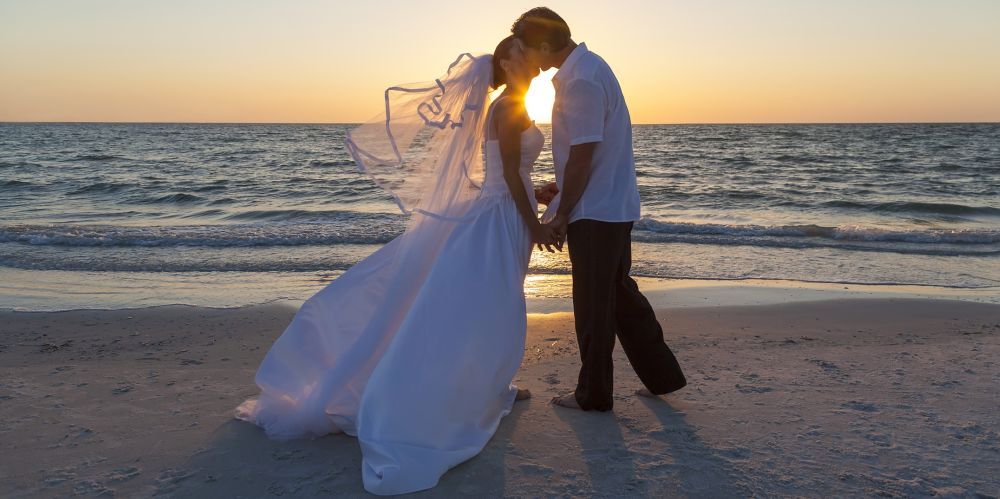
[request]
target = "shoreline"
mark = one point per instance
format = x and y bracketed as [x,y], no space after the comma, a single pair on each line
[52,291]
[863,396]
[710,123]
[688,293]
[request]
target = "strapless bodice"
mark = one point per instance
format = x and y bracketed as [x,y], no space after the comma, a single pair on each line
[532,142]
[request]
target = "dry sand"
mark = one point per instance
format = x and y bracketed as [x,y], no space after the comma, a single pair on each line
[890,397]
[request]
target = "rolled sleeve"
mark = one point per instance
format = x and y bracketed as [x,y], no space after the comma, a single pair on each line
[583,106]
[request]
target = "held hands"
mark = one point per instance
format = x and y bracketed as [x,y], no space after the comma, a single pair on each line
[545,235]
[560,224]
[550,234]
[546,193]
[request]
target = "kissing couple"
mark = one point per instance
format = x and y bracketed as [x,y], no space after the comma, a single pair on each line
[413,349]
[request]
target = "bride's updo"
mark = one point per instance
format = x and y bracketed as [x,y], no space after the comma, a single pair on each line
[502,52]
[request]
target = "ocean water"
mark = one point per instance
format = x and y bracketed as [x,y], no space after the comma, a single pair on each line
[875,204]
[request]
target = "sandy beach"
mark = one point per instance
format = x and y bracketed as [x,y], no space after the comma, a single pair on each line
[806,193]
[878,396]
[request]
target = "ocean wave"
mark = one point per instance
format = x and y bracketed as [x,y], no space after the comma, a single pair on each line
[208,188]
[15,183]
[372,231]
[327,163]
[178,198]
[326,263]
[99,187]
[205,214]
[804,244]
[843,233]
[313,216]
[263,228]
[917,207]
[946,242]
[96,157]
[139,265]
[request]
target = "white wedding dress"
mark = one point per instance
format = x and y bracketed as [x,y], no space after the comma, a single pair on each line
[412,354]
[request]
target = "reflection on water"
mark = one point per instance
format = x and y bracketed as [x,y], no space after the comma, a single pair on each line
[877,204]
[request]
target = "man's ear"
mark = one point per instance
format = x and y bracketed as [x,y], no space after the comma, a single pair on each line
[545,48]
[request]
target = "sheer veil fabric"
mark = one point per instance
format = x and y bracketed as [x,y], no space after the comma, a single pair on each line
[426,147]
[414,348]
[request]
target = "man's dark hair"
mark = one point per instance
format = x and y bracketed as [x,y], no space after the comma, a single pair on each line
[542,25]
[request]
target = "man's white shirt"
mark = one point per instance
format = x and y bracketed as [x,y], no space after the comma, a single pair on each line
[589,107]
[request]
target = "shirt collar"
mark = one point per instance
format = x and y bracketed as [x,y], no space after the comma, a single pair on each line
[571,60]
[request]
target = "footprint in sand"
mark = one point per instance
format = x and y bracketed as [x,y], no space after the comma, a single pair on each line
[535,469]
[92,488]
[753,389]
[170,479]
[860,406]
[122,388]
[825,365]
[288,455]
[56,477]
[80,432]
[879,439]
[122,474]
[946,384]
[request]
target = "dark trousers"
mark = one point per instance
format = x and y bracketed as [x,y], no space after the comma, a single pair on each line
[606,301]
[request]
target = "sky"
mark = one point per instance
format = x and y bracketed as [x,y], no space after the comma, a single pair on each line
[678,61]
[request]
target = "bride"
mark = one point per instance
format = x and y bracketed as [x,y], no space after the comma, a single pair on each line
[413,349]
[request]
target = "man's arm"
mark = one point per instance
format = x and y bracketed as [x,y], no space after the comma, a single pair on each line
[575,177]
[584,105]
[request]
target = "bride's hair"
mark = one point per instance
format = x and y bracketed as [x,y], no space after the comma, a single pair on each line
[542,25]
[502,52]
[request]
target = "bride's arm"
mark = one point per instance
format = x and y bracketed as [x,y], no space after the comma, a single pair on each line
[511,119]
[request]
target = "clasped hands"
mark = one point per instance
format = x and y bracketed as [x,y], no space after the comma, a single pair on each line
[552,233]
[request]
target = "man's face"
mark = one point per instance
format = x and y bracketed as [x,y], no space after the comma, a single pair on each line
[534,58]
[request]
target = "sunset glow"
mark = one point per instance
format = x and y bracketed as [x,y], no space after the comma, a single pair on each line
[678,62]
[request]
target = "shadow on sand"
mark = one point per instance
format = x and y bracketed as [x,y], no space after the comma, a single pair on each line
[625,457]
[627,453]
[240,461]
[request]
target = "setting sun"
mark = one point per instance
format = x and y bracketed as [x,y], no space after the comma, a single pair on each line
[540,96]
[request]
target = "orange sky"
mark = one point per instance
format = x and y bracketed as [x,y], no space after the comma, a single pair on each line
[319,61]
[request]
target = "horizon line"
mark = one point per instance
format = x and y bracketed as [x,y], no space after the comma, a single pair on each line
[26,122]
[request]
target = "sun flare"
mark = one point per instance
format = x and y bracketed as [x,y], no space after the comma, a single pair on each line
[539,98]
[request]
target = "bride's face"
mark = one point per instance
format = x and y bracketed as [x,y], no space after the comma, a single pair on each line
[519,71]
[533,57]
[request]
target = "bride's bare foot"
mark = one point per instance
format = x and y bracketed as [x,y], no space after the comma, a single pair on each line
[644,392]
[568,401]
[522,394]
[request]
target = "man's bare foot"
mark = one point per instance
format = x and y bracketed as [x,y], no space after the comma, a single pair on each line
[522,394]
[568,401]
[644,392]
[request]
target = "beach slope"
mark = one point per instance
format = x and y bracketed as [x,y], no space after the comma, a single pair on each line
[893,397]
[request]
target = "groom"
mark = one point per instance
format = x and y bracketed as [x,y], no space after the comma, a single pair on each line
[597,203]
